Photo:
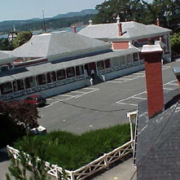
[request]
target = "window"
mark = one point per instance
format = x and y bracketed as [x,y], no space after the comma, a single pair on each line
[51,77]
[30,82]
[116,61]
[107,63]
[70,72]
[79,70]
[61,74]
[135,57]
[20,84]
[6,88]
[129,58]
[4,68]
[122,60]
[41,79]
[100,65]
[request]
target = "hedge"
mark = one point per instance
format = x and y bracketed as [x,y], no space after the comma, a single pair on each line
[72,151]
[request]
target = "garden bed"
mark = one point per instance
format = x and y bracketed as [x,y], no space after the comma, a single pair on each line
[72,151]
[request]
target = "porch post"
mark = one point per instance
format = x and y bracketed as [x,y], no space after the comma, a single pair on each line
[96,68]
[56,75]
[12,86]
[46,77]
[126,59]
[35,81]
[0,90]
[65,74]
[75,71]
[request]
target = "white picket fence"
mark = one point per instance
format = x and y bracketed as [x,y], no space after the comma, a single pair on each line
[102,162]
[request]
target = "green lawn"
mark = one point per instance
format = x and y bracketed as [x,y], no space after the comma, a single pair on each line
[71,151]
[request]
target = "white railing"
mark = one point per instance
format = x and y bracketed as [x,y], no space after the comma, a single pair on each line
[42,87]
[102,162]
[117,68]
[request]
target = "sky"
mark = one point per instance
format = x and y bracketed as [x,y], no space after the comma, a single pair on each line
[27,9]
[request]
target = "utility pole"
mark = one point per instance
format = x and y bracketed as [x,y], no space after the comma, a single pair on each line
[44,23]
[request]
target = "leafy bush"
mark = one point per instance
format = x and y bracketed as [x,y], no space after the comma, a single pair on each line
[9,131]
[175,43]
[15,119]
[71,151]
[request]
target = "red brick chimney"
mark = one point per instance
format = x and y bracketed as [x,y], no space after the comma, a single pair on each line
[154,84]
[74,29]
[119,26]
[120,29]
[157,22]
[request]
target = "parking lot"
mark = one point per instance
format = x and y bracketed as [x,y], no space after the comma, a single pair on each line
[102,105]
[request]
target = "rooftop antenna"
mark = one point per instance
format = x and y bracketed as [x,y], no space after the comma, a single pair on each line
[44,23]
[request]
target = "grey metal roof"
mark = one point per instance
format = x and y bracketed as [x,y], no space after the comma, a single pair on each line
[24,72]
[163,160]
[176,70]
[5,55]
[57,43]
[131,30]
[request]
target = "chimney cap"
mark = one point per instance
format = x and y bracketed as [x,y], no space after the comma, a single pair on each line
[176,71]
[151,48]
[90,22]
[118,19]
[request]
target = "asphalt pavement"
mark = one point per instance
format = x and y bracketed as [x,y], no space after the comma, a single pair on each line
[95,107]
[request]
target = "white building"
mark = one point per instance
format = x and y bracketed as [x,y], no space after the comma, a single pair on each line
[54,63]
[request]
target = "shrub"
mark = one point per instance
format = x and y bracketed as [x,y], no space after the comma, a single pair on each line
[175,43]
[71,151]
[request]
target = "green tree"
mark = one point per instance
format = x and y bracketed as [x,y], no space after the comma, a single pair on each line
[15,119]
[175,43]
[168,12]
[22,38]
[127,10]
[27,163]
[5,44]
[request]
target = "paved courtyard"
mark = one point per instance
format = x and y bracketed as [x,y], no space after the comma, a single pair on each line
[99,106]
[102,105]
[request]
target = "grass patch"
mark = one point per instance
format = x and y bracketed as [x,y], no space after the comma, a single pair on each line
[71,151]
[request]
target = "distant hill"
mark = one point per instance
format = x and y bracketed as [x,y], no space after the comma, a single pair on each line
[36,23]
[73,14]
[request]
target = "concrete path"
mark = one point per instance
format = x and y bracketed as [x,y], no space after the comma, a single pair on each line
[123,171]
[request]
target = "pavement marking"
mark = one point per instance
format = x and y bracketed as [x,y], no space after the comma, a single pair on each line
[78,92]
[170,89]
[173,84]
[140,73]
[69,96]
[137,96]
[165,67]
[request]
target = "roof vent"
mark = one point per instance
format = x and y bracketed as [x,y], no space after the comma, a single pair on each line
[90,22]
[118,19]
[157,22]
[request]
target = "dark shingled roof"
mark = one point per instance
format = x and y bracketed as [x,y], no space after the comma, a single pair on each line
[163,160]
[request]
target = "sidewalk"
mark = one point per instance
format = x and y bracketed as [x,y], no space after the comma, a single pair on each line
[123,171]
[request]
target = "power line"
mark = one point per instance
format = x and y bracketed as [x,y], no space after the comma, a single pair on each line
[142,161]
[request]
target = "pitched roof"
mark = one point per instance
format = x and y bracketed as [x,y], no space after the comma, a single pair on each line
[131,30]
[163,160]
[24,72]
[5,55]
[58,43]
